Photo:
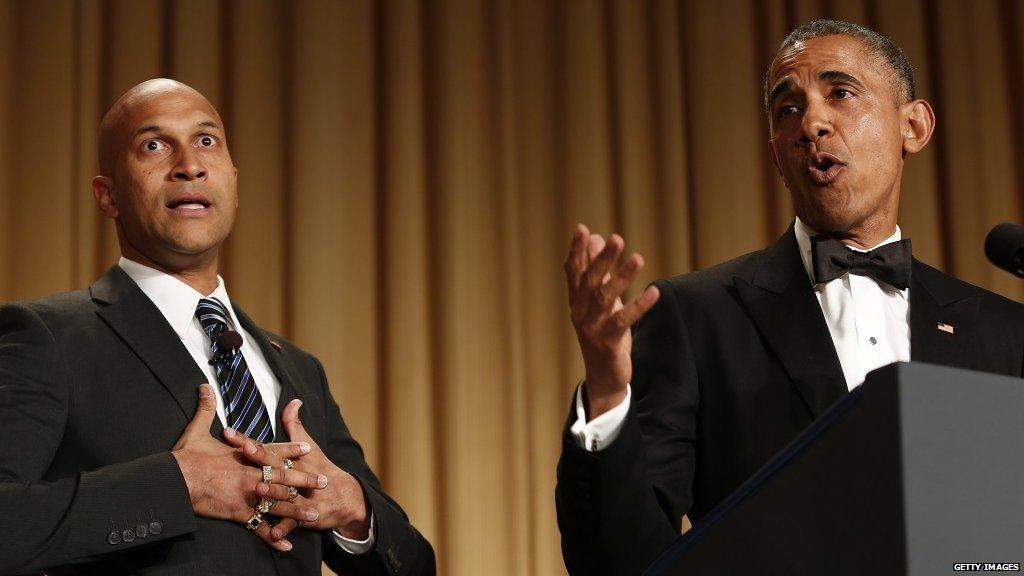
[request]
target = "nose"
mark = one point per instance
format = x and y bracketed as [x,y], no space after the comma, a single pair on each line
[189,167]
[817,122]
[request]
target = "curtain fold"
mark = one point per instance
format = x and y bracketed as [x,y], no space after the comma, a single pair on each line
[410,173]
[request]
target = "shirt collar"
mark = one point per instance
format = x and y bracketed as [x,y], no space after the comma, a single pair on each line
[803,240]
[176,300]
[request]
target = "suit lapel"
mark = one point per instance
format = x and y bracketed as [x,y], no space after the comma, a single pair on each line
[780,300]
[292,387]
[139,323]
[942,313]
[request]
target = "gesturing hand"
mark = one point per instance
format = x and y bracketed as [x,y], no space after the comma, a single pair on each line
[601,320]
[341,503]
[220,482]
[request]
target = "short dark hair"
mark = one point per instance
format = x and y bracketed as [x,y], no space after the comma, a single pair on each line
[881,46]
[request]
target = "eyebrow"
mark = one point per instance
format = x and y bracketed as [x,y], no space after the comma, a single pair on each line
[786,84]
[157,128]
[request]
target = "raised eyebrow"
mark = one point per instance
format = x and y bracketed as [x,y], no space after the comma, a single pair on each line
[783,86]
[840,77]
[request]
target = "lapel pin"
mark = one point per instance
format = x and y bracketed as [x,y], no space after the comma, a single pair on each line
[945,327]
[277,346]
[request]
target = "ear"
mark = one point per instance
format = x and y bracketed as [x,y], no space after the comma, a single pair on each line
[102,192]
[775,160]
[918,124]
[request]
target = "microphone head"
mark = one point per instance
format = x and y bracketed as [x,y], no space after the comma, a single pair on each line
[229,340]
[1004,247]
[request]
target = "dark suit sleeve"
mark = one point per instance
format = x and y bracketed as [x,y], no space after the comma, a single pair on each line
[619,508]
[399,549]
[59,521]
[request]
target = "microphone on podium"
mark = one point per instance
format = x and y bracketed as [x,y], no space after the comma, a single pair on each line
[1004,247]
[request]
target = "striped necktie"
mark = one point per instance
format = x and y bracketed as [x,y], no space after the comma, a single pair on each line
[243,404]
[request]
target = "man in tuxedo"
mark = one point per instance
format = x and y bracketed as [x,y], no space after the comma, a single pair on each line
[728,364]
[114,400]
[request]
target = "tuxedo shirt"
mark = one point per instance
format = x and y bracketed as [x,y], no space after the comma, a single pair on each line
[867,319]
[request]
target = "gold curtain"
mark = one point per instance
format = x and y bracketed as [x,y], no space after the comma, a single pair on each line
[411,172]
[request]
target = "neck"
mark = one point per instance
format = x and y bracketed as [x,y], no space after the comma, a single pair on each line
[201,276]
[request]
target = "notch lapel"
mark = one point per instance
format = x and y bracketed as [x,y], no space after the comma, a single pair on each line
[780,300]
[292,386]
[133,316]
[937,299]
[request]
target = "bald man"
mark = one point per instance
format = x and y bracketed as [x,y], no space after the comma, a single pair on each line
[149,426]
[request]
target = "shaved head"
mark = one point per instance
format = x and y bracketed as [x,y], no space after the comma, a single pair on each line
[115,125]
[167,179]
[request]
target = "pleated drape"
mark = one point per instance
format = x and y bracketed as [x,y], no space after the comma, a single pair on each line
[410,173]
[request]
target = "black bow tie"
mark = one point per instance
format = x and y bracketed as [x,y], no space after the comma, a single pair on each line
[890,263]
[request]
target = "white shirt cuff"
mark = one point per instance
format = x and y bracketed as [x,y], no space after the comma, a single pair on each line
[355,546]
[600,432]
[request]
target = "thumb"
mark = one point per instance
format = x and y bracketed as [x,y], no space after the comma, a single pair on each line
[292,423]
[206,411]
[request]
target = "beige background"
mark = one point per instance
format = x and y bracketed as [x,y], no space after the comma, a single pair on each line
[411,172]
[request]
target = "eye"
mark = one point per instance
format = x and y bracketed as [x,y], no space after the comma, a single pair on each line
[206,141]
[786,110]
[154,145]
[841,93]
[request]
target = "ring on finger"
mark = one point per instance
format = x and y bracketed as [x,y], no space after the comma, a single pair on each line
[288,464]
[293,493]
[265,505]
[268,474]
[255,521]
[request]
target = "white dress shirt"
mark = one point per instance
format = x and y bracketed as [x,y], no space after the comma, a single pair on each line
[177,302]
[868,321]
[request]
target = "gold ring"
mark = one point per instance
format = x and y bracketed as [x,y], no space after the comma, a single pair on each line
[288,465]
[293,493]
[255,521]
[265,505]
[268,474]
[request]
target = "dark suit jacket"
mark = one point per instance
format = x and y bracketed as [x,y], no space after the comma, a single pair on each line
[95,388]
[729,366]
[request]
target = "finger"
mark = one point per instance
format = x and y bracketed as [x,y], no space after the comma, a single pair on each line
[206,411]
[637,308]
[296,478]
[277,492]
[576,261]
[616,285]
[293,424]
[263,532]
[283,528]
[266,454]
[299,512]
[602,264]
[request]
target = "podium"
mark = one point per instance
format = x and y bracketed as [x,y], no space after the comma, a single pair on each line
[919,471]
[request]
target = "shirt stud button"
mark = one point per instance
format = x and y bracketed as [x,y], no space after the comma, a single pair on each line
[873,340]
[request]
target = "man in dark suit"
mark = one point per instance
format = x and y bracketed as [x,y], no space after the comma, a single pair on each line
[111,460]
[729,364]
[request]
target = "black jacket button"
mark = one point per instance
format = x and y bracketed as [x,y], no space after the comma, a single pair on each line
[155,527]
[128,535]
[114,537]
[141,531]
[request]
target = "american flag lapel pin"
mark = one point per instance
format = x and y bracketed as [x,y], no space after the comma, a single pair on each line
[945,327]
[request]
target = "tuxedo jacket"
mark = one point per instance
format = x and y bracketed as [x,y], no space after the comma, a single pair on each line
[95,389]
[728,367]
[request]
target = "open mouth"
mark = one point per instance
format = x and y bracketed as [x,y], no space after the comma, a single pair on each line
[824,167]
[189,203]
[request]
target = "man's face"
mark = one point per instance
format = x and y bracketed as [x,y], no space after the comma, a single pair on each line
[836,135]
[174,185]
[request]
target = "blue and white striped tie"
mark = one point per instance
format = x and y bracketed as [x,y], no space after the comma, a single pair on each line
[243,404]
